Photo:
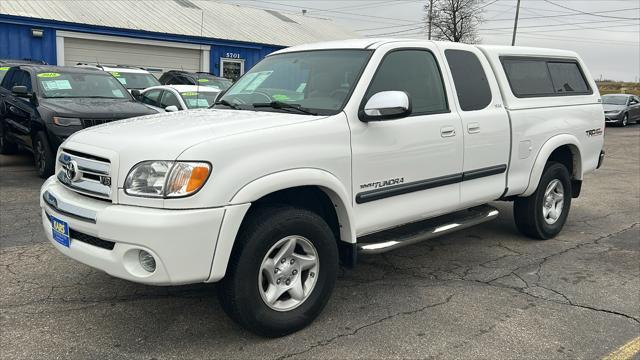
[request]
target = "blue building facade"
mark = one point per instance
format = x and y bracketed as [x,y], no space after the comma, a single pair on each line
[31,38]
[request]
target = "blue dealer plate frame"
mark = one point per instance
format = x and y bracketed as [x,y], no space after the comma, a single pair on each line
[60,231]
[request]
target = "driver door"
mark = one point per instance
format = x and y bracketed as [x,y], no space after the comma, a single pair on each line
[20,111]
[410,168]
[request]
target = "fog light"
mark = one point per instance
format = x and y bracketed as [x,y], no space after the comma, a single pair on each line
[147,261]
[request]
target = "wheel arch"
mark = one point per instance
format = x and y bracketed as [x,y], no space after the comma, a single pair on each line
[274,187]
[563,148]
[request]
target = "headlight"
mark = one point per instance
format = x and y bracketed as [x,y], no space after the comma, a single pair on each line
[166,179]
[65,121]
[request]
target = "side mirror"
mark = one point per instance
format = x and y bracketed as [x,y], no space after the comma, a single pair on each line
[20,91]
[386,105]
[171,108]
[136,94]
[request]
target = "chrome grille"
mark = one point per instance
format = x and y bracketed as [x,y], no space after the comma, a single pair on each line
[93,122]
[85,173]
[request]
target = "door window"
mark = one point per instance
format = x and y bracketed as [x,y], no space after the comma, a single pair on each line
[7,81]
[415,72]
[18,78]
[470,79]
[151,97]
[169,99]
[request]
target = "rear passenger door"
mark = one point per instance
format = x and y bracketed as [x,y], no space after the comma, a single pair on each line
[19,112]
[485,125]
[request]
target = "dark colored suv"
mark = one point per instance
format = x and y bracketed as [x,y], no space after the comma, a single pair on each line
[178,77]
[41,106]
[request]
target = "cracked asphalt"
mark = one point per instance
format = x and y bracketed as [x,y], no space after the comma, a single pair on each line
[486,292]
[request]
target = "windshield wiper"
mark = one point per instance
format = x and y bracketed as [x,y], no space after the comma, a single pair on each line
[284,105]
[226,103]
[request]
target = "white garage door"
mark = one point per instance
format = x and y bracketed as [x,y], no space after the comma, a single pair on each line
[118,53]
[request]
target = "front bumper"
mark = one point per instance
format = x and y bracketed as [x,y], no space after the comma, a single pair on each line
[181,241]
[612,117]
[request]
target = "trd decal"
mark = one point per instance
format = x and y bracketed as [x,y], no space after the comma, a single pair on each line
[381,184]
[594,132]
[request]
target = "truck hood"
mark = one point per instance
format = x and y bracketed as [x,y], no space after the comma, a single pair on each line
[165,136]
[96,108]
[611,107]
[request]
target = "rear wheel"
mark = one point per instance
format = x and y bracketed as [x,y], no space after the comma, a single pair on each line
[42,155]
[543,214]
[282,271]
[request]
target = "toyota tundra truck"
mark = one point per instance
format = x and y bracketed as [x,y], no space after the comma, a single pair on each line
[321,153]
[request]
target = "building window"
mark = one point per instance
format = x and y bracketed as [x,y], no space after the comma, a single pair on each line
[231,69]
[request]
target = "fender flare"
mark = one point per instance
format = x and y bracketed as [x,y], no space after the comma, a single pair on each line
[545,152]
[241,201]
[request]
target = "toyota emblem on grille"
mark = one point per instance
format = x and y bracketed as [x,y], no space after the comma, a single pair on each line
[71,171]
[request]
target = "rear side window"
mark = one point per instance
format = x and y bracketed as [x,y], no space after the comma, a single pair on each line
[470,79]
[544,77]
[567,78]
[415,72]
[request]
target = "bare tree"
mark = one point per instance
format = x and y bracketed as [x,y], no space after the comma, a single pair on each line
[454,20]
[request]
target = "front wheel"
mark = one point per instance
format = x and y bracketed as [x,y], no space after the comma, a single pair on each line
[625,120]
[43,156]
[282,271]
[543,214]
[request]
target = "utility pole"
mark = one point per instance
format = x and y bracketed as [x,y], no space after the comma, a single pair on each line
[430,16]
[515,25]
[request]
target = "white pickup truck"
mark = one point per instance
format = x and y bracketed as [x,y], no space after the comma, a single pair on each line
[322,152]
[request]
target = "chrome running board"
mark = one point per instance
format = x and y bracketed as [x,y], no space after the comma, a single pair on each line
[416,232]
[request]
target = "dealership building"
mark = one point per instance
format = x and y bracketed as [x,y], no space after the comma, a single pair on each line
[161,35]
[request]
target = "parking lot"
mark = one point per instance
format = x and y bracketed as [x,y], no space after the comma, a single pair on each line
[486,292]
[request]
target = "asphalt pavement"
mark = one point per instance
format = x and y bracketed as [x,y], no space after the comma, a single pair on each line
[486,292]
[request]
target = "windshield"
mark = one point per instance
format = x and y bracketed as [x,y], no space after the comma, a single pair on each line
[319,81]
[212,81]
[3,72]
[199,99]
[81,85]
[136,80]
[614,100]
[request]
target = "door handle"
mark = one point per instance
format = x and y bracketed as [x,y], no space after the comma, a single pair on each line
[473,128]
[448,131]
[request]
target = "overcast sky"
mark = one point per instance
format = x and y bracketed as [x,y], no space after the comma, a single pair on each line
[607,40]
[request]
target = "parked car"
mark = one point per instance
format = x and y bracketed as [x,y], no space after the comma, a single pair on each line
[41,106]
[317,156]
[5,64]
[179,77]
[178,97]
[620,109]
[133,78]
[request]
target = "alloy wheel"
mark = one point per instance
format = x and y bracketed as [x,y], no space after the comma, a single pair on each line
[553,201]
[288,273]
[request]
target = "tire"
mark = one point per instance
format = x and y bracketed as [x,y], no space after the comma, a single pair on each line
[533,215]
[243,291]
[625,120]
[42,155]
